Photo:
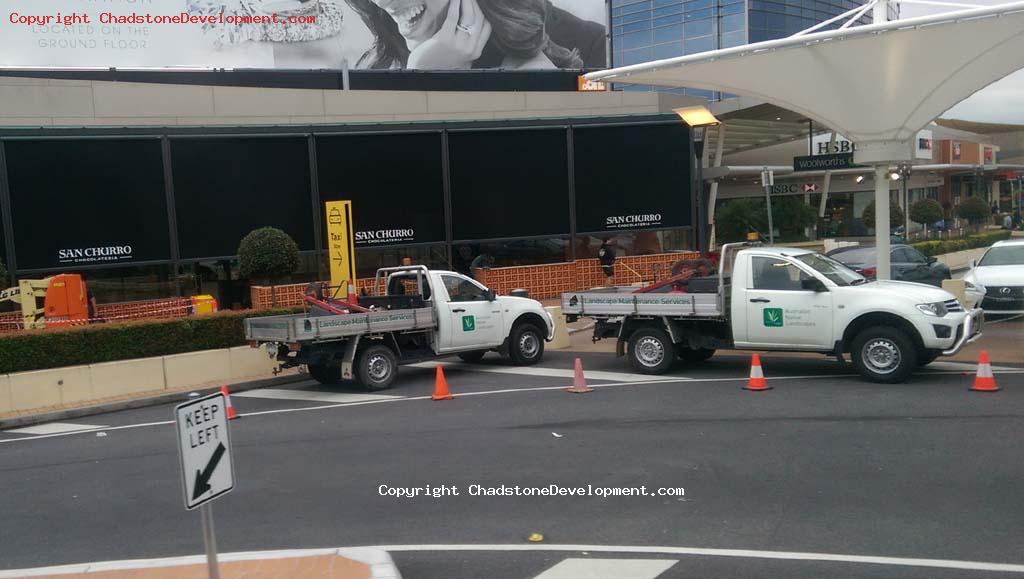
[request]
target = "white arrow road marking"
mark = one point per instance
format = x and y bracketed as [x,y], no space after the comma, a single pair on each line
[54,428]
[549,372]
[312,395]
[607,569]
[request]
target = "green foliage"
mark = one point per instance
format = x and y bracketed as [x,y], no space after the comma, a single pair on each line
[790,215]
[926,211]
[79,345]
[267,254]
[895,214]
[939,247]
[974,209]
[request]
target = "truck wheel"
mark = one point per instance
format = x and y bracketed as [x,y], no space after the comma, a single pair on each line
[526,345]
[325,373]
[650,351]
[473,357]
[883,354]
[376,367]
[693,356]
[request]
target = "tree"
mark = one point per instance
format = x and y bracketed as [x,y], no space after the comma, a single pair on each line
[895,214]
[791,216]
[735,218]
[267,254]
[974,209]
[926,211]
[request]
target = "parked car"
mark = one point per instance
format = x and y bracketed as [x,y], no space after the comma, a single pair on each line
[907,263]
[1001,271]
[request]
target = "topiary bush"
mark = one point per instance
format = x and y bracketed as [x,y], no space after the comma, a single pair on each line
[80,345]
[736,217]
[895,214]
[939,247]
[926,211]
[267,254]
[974,209]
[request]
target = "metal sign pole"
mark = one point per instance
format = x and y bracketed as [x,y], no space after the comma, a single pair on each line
[768,179]
[210,538]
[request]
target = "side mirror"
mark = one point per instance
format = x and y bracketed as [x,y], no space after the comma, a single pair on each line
[491,296]
[813,284]
[931,259]
[972,263]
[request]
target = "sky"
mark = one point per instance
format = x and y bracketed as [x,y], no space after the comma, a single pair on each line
[1000,102]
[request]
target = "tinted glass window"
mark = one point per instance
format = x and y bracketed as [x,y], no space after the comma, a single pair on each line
[1006,255]
[858,256]
[509,183]
[776,274]
[87,202]
[463,290]
[394,181]
[225,188]
[914,256]
[635,177]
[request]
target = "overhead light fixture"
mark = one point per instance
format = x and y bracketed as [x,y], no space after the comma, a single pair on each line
[894,176]
[860,178]
[698,116]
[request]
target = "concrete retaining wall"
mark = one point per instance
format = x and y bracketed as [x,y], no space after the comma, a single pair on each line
[961,259]
[25,392]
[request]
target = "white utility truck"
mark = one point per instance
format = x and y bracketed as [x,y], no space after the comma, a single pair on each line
[782,299]
[423,314]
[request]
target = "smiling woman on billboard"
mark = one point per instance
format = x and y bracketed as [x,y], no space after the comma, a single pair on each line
[461,34]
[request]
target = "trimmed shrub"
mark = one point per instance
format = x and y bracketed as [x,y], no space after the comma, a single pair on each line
[80,345]
[926,211]
[267,254]
[895,214]
[939,247]
[974,209]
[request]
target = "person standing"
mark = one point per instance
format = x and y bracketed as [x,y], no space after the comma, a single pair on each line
[606,256]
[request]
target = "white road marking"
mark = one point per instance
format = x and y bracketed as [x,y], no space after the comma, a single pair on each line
[668,380]
[549,372]
[742,553]
[607,569]
[312,395]
[55,428]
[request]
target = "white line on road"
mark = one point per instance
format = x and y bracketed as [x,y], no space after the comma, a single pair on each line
[688,381]
[742,553]
[312,395]
[607,569]
[548,372]
[55,428]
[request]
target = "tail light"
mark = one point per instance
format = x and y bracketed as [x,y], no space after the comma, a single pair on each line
[868,272]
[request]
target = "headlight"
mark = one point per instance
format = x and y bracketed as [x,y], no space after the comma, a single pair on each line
[938,309]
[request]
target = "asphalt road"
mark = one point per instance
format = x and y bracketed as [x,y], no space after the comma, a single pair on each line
[823,463]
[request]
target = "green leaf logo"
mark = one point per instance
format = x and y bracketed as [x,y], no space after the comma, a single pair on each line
[773,317]
[468,323]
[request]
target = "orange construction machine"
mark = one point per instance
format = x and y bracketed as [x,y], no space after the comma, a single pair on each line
[53,301]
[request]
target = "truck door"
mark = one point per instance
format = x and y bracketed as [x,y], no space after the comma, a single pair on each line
[474,321]
[780,313]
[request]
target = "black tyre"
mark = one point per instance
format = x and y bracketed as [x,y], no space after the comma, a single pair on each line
[376,367]
[694,356]
[926,357]
[325,373]
[883,354]
[473,357]
[650,351]
[526,345]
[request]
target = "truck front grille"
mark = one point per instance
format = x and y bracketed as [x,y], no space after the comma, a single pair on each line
[953,306]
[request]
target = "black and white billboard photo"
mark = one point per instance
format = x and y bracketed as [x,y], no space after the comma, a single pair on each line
[304,34]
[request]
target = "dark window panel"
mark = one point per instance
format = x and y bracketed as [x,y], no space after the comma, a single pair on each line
[74,200]
[226,187]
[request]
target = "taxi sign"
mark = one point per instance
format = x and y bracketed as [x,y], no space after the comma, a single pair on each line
[204,446]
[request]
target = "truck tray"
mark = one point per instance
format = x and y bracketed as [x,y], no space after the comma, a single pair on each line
[303,328]
[626,303]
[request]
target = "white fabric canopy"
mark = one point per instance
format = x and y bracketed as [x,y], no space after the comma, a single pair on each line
[877,83]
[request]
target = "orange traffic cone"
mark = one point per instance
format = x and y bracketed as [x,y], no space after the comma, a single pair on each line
[441,386]
[756,381]
[579,383]
[984,381]
[227,400]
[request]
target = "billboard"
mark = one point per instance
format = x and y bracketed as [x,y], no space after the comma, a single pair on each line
[304,34]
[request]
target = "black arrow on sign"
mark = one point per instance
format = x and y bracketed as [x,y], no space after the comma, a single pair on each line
[203,478]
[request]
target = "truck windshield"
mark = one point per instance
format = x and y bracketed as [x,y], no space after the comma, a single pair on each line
[832,269]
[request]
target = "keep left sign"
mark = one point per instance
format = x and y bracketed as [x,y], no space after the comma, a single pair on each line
[204,446]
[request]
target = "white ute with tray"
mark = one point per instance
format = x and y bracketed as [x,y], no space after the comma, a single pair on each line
[782,299]
[423,315]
